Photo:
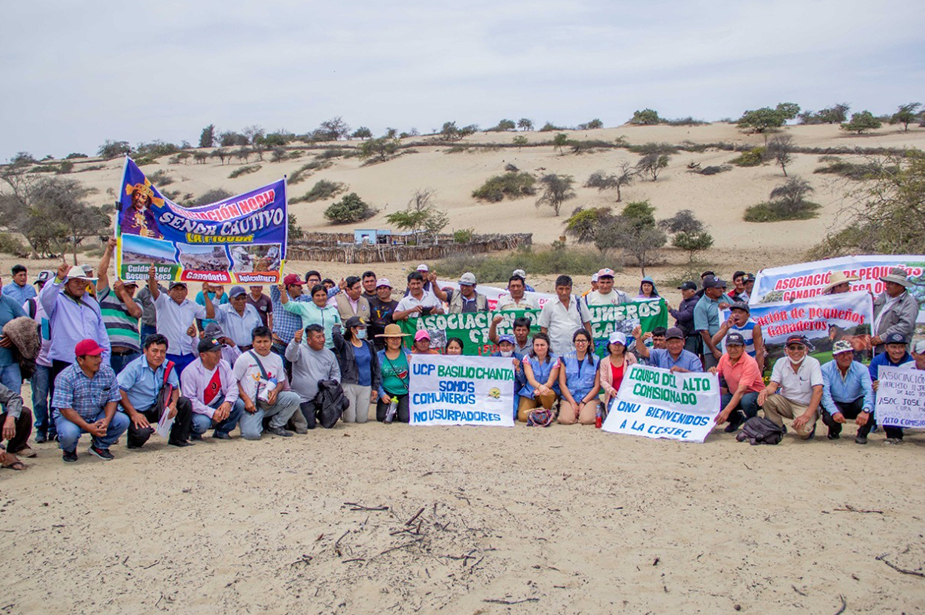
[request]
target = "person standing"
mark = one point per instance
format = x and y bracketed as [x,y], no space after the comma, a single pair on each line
[311,363]
[176,319]
[120,314]
[418,301]
[286,323]
[148,310]
[359,368]
[684,317]
[263,305]
[561,317]
[315,312]
[10,376]
[218,297]
[237,318]
[515,298]
[85,401]
[706,318]
[394,364]
[847,393]
[44,425]
[19,290]
[740,322]
[839,283]
[351,302]
[381,309]
[466,299]
[895,310]
[212,389]
[370,282]
[605,293]
[73,315]
[140,385]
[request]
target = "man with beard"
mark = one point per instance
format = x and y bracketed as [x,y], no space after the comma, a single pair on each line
[138,219]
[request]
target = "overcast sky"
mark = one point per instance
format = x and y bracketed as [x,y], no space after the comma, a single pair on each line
[74,74]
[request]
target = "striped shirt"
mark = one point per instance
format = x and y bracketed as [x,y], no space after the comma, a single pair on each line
[121,326]
[748,332]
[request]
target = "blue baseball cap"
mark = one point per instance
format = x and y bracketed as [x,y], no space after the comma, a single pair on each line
[506,338]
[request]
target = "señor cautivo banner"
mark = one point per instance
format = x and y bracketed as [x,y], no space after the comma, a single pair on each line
[241,239]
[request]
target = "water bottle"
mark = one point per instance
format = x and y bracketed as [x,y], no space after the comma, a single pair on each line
[598,419]
[390,413]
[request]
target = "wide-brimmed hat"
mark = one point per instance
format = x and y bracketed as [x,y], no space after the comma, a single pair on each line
[392,331]
[837,277]
[79,273]
[899,276]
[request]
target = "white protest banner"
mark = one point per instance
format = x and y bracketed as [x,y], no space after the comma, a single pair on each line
[461,390]
[901,397]
[499,295]
[657,403]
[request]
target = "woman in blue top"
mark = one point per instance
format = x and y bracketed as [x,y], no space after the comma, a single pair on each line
[579,382]
[359,369]
[315,312]
[541,371]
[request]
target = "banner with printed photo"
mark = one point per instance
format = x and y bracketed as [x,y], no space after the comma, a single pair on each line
[238,240]
[901,397]
[656,403]
[471,328]
[807,280]
[823,320]
[605,319]
[461,391]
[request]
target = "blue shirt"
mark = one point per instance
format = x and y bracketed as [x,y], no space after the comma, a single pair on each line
[285,324]
[9,310]
[363,358]
[541,373]
[71,321]
[239,328]
[142,384]
[579,375]
[883,359]
[86,396]
[706,315]
[854,384]
[660,357]
[201,300]
[19,294]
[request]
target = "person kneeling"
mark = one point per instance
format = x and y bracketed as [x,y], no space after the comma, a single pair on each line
[142,383]
[795,390]
[743,381]
[311,363]
[211,387]
[847,393]
[579,382]
[261,380]
[85,401]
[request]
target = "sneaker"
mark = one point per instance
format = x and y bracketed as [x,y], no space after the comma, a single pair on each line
[279,431]
[860,439]
[735,422]
[893,441]
[196,436]
[220,435]
[52,437]
[69,456]
[40,438]
[833,435]
[102,453]
[181,443]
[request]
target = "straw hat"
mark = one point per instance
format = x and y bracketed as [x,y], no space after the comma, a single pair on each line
[837,278]
[393,331]
[897,275]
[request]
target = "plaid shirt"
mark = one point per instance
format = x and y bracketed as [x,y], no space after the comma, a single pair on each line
[87,397]
[285,324]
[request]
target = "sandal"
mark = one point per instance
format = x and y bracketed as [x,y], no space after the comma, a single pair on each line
[8,460]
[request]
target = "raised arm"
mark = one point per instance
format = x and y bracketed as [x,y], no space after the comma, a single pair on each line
[103,267]
[152,283]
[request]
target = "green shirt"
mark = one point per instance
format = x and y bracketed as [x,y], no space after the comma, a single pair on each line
[121,326]
[394,374]
[311,314]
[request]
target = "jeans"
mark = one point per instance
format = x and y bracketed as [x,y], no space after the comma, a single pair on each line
[146,330]
[40,380]
[287,403]
[69,433]
[181,361]
[23,431]
[118,361]
[178,433]
[202,423]
[11,377]
[56,368]
[748,404]
[358,396]
[850,410]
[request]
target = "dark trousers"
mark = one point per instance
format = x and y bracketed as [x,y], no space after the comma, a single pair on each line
[23,431]
[180,431]
[402,416]
[308,411]
[56,368]
[893,432]
[850,410]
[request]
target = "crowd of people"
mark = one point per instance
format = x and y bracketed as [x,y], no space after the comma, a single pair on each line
[119,358]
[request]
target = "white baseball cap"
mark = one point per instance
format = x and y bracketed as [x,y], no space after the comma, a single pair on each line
[423,267]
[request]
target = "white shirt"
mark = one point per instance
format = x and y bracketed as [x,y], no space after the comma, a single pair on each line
[797,386]
[561,322]
[426,300]
[506,303]
[173,320]
[248,374]
[236,326]
[614,297]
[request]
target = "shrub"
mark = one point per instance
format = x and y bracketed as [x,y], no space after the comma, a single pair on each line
[835,114]
[588,146]
[557,189]
[305,170]
[653,148]
[852,170]
[294,231]
[652,164]
[350,209]
[10,244]
[714,170]
[113,149]
[91,167]
[905,115]
[752,158]
[463,235]
[510,185]
[568,261]
[550,127]
[504,125]
[862,121]
[65,166]
[788,202]
[379,149]
[525,124]
[160,178]
[519,140]
[594,124]
[685,121]
[334,152]
[212,196]
[764,119]
[73,155]
[323,189]
[155,149]
[362,133]
[245,170]
[646,117]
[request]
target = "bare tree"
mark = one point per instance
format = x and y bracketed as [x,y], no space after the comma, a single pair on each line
[613,181]
[558,190]
[652,164]
[780,148]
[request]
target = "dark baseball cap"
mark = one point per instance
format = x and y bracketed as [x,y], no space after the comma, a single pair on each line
[209,344]
[740,305]
[895,338]
[687,286]
[713,282]
[175,284]
[674,333]
[796,339]
[735,339]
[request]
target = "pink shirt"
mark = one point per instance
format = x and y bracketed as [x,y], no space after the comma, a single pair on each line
[745,368]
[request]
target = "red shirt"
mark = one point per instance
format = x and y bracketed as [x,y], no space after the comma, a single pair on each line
[617,375]
[746,367]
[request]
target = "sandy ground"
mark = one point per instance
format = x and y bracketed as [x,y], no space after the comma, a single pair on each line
[561,520]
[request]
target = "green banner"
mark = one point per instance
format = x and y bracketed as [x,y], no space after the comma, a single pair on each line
[605,319]
[471,328]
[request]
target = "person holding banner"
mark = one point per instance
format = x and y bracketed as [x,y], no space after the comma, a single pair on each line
[605,294]
[839,283]
[647,290]
[739,322]
[895,310]
[418,301]
[561,317]
[422,343]
[579,382]
[684,316]
[847,393]
[455,346]
[743,383]
[315,312]
[394,363]
[541,371]
[120,313]
[285,323]
[176,318]
[614,366]
[795,390]
[894,356]
[673,357]
[506,350]
[359,368]
[522,341]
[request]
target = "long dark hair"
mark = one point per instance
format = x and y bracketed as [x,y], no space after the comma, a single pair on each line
[589,355]
[462,346]
[545,338]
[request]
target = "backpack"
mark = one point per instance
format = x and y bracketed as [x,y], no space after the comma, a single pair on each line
[759,430]
[330,403]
